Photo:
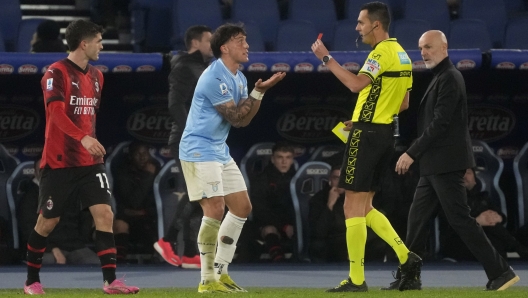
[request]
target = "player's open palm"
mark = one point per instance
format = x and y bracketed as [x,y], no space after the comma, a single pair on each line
[93,146]
[274,79]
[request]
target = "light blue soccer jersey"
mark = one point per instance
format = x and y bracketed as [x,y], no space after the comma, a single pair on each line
[205,134]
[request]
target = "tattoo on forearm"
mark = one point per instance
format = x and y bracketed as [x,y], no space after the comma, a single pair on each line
[236,114]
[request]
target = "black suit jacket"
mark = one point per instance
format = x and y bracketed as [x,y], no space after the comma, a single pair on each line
[443,144]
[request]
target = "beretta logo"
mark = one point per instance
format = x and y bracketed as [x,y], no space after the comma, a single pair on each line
[322,68]
[508,152]
[351,66]
[17,122]
[505,65]
[27,69]
[45,68]
[102,68]
[418,65]
[311,123]
[122,68]
[6,69]
[257,67]
[145,68]
[490,123]
[32,150]
[465,64]
[280,67]
[303,67]
[523,66]
[150,124]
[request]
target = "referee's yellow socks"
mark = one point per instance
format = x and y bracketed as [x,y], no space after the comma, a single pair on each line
[381,226]
[356,237]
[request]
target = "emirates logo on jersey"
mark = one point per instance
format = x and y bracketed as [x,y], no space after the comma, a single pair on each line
[17,122]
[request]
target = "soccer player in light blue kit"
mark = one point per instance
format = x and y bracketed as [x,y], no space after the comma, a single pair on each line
[220,101]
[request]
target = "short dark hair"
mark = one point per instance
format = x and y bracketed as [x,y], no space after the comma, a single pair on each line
[195,32]
[79,30]
[378,11]
[335,167]
[222,35]
[283,146]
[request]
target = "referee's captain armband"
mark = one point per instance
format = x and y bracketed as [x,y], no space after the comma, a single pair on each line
[340,133]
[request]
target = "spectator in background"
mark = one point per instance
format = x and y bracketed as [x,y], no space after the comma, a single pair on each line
[327,222]
[489,216]
[273,211]
[133,190]
[186,68]
[47,38]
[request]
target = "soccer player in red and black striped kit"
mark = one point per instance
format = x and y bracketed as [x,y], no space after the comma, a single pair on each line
[72,160]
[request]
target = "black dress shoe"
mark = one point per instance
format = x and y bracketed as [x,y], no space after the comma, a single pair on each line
[503,282]
[347,286]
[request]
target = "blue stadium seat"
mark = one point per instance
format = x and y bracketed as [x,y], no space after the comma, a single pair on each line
[23,172]
[514,7]
[295,36]
[169,189]
[321,13]
[254,37]
[520,169]
[436,12]
[25,33]
[345,37]
[488,171]
[187,13]
[353,7]
[308,180]
[255,160]
[10,18]
[409,31]
[492,12]
[516,34]
[8,164]
[265,14]
[469,34]
[151,24]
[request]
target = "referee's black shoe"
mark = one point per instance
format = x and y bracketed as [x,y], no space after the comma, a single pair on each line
[395,285]
[503,282]
[410,273]
[347,286]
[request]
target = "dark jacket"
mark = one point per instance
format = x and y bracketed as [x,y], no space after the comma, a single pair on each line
[133,189]
[271,198]
[479,201]
[185,71]
[443,144]
[326,223]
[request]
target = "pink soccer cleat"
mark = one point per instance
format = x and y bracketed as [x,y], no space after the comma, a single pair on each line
[118,287]
[164,248]
[34,289]
[191,262]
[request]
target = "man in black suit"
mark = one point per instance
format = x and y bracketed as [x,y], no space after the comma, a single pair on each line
[443,149]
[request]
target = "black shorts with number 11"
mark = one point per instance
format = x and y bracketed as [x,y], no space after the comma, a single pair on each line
[88,184]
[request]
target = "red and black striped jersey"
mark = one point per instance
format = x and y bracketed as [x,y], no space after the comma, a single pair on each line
[72,97]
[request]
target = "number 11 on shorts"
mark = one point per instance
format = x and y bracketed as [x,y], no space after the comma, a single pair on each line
[100,176]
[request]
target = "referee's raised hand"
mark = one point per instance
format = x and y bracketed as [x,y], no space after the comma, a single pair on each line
[93,146]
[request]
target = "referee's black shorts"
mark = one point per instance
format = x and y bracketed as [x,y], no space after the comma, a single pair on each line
[367,155]
[88,184]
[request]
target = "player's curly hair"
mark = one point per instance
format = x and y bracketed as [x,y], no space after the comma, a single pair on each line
[223,34]
[80,30]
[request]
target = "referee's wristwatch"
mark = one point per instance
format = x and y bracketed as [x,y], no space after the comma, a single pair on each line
[326,58]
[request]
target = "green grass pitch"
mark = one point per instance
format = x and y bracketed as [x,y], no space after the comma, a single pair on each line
[284,293]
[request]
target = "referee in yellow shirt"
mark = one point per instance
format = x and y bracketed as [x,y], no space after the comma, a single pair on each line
[383,84]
